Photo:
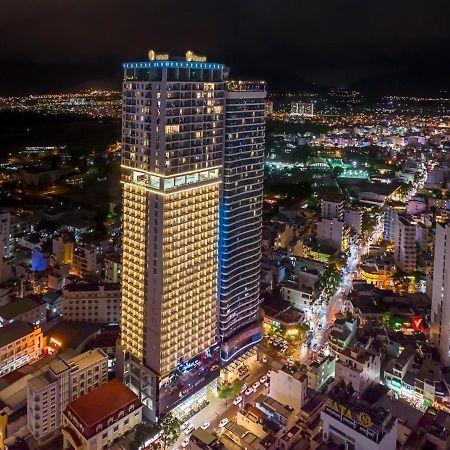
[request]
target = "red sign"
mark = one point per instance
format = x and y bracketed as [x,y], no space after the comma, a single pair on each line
[417,322]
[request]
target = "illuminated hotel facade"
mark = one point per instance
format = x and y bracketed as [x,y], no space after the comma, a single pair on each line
[172,151]
[240,324]
[174,132]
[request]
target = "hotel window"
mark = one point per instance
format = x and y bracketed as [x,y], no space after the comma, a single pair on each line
[170,129]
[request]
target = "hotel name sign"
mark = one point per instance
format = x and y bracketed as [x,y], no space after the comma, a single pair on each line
[190,56]
[361,417]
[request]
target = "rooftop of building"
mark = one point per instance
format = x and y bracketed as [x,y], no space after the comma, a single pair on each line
[253,413]
[14,331]
[114,257]
[91,287]
[333,197]
[205,440]
[274,405]
[296,371]
[72,334]
[20,306]
[102,402]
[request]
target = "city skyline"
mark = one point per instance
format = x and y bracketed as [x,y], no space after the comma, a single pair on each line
[384,47]
[224,227]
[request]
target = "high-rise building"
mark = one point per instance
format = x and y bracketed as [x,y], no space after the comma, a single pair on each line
[5,234]
[404,243]
[239,322]
[172,157]
[440,299]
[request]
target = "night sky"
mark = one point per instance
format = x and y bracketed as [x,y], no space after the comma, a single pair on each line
[389,45]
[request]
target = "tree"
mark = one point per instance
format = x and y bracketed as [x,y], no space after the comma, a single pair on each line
[230,390]
[171,427]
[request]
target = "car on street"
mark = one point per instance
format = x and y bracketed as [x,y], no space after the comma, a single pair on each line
[264,360]
[185,425]
[266,384]
[244,388]
[185,443]
[249,391]
[237,400]
[223,422]
[189,429]
[263,379]
[205,425]
[256,385]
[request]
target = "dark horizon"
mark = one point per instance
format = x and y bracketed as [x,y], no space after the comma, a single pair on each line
[384,48]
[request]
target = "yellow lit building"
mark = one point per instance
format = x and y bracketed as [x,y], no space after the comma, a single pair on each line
[63,249]
[378,274]
[172,149]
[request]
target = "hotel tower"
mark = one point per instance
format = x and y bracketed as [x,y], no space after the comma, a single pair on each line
[173,141]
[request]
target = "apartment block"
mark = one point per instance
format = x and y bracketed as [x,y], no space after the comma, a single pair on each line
[20,343]
[84,261]
[92,302]
[65,380]
[405,243]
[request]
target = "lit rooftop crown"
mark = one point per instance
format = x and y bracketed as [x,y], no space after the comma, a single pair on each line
[189,57]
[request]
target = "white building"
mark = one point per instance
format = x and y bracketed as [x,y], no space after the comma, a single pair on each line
[20,343]
[320,371]
[353,219]
[440,300]
[64,381]
[332,207]
[334,233]
[304,109]
[405,243]
[299,295]
[95,421]
[92,302]
[359,367]
[288,386]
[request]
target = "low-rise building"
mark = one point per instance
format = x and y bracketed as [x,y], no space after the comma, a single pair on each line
[341,334]
[320,372]
[66,379]
[84,261]
[378,272]
[288,386]
[283,414]
[334,233]
[29,309]
[62,247]
[20,343]
[358,367]
[96,420]
[112,268]
[353,219]
[253,419]
[92,302]
[332,206]
[351,422]
[298,294]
